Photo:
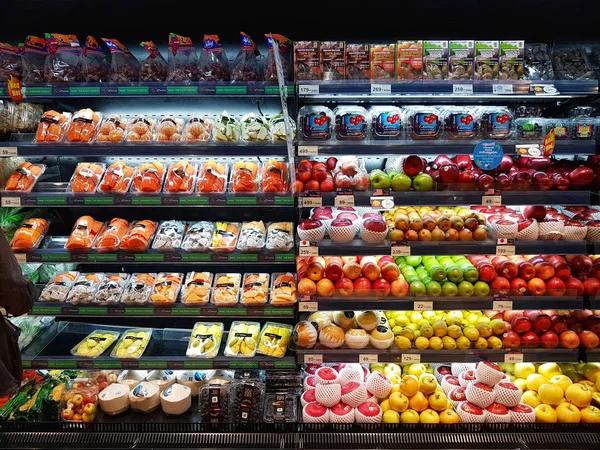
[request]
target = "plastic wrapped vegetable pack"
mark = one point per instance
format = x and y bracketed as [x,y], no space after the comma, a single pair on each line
[183,60]
[83,126]
[123,66]
[34,58]
[213,61]
[29,235]
[226,129]
[94,67]
[245,67]
[52,127]
[10,62]
[63,62]
[154,67]
[110,239]
[270,67]
[24,178]
[84,233]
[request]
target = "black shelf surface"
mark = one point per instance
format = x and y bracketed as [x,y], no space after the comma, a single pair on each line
[595,302]
[439,303]
[52,251]
[394,355]
[177,310]
[358,247]
[166,350]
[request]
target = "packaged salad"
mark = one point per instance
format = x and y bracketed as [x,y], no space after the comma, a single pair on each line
[94,67]
[34,59]
[10,62]
[199,237]
[154,68]
[138,290]
[197,288]
[63,62]
[110,290]
[245,66]
[84,288]
[183,60]
[124,67]
[270,67]
[213,60]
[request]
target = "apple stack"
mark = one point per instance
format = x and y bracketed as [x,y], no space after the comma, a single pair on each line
[590,216]
[401,174]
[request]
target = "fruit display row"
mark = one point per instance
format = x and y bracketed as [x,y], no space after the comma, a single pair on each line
[449,330]
[88,126]
[355,123]
[166,289]
[62,58]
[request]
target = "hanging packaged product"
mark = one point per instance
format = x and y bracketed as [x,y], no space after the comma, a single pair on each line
[213,62]
[34,59]
[255,289]
[314,123]
[283,289]
[424,123]
[383,61]
[511,60]
[278,129]
[274,177]
[140,129]
[358,62]
[29,235]
[495,123]
[139,236]
[94,66]
[110,238]
[197,129]
[538,62]
[409,62]
[112,129]
[244,177]
[280,236]
[274,339]
[572,63]
[169,236]
[247,398]
[205,340]
[460,60]
[333,60]
[84,233]
[386,122]
[226,291]
[199,237]
[350,123]
[84,289]
[154,68]
[166,289]
[212,177]
[138,290]
[307,63]
[459,123]
[132,345]
[255,128]
[10,62]
[25,176]
[435,60]
[226,129]
[63,62]
[169,129]
[245,66]
[252,237]
[96,343]
[83,126]
[58,288]
[86,178]
[270,67]
[225,237]
[124,67]
[148,178]
[243,339]
[116,179]
[111,289]
[197,288]
[52,127]
[181,178]
[486,60]
[183,60]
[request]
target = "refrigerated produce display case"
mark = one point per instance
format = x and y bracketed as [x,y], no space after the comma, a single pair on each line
[339,245]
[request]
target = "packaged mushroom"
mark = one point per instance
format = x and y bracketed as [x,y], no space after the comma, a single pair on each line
[435,60]
[197,129]
[110,290]
[169,129]
[84,288]
[255,128]
[460,60]
[252,237]
[140,129]
[280,236]
[138,290]
[510,64]
[486,60]
[197,288]
[58,288]
[169,235]
[226,129]
[199,237]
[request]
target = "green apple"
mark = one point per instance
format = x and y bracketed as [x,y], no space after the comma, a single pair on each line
[418,289]
[471,274]
[380,180]
[454,274]
[449,289]
[393,174]
[414,261]
[401,183]
[465,289]
[423,183]
[433,289]
[481,289]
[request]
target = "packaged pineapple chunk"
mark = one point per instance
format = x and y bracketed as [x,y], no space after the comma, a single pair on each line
[133,344]
[274,339]
[96,343]
[243,338]
[205,340]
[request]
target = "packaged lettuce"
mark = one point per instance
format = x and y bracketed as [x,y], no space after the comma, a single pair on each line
[213,61]
[123,66]
[245,67]
[183,60]
[154,67]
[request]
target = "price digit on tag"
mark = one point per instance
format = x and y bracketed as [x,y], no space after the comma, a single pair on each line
[308,89]
[381,89]
[513,358]
[308,306]
[411,358]
[308,251]
[21,258]
[502,89]
[423,306]
[344,200]
[8,151]
[308,150]
[312,202]
[10,202]
[491,200]
[502,305]
[506,250]
[368,359]
[462,89]
[400,250]
[313,359]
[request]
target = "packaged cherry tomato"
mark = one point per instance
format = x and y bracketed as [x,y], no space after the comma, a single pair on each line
[314,123]
[424,123]
[459,123]
[64,59]
[213,60]
[245,67]
[94,64]
[350,123]
[34,58]
[154,68]
[183,60]
[270,67]
[124,67]
[386,122]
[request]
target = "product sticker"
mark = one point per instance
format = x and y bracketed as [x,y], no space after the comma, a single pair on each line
[488,154]
[316,126]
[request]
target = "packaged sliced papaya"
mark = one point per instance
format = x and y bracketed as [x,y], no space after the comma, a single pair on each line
[112,129]
[86,178]
[84,126]
[148,178]
[84,233]
[24,177]
[110,238]
[116,179]
[29,235]
[181,177]
[274,177]
[139,236]
[244,177]
[52,127]
[212,177]
[166,289]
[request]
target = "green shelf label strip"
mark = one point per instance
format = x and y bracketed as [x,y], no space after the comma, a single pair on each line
[134,90]
[84,91]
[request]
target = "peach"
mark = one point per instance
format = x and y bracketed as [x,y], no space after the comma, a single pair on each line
[325,288]
[351,270]
[307,286]
[371,271]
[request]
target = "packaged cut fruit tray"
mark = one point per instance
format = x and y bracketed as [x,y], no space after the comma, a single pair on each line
[205,340]
[133,344]
[96,343]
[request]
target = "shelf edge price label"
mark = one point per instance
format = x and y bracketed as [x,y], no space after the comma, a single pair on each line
[506,247]
[308,150]
[513,357]
[8,151]
[491,200]
[462,89]
[502,305]
[10,202]
[423,306]
[21,258]
[313,359]
[400,250]
[385,203]
[381,89]
[306,249]
[501,89]
[368,359]
[308,306]
[410,358]
[543,89]
[528,150]
[312,202]
[308,89]
[344,200]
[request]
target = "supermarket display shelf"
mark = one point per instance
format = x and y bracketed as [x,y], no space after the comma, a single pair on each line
[425,303]
[595,302]
[429,148]
[358,247]
[464,91]
[166,350]
[455,197]
[176,310]
[155,89]
[54,194]
[373,355]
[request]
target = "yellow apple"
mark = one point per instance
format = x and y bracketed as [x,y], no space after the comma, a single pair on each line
[545,414]
[385,406]
[418,402]
[409,385]
[535,380]
[391,416]
[590,414]
[416,369]
[463,343]
[549,370]
[438,401]
[449,416]
[561,380]
[523,370]
[520,383]
[427,384]
[568,413]
[429,416]
[422,343]
[402,342]
[392,368]
[494,343]
[398,402]
[394,378]
[579,395]
[531,398]
[551,394]
[410,416]
[395,388]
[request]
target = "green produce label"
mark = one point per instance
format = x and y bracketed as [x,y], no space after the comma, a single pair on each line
[284,201]
[134,90]
[84,91]
[153,365]
[182,90]
[195,257]
[285,257]
[285,365]
[62,364]
[146,200]
[107,365]
[37,91]
[243,364]
[152,257]
[56,257]
[46,310]
[250,257]
[282,312]
[93,311]
[232,312]
[242,200]
[51,200]
[198,365]
[99,201]
[224,90]
[139,311]
[193,200]
[26,364]
[185,311]
[102,257]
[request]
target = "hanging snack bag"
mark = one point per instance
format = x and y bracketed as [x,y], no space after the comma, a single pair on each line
[245,67]
[270,66]
[333,60]
[358,62]
[183,60]
[486,60]
[154,67]
[409,62]
[435,60]
[10,62]
[383,61]
[307,62]
[94,63]
[63,62]
[124,67]
[213,60]
[511,60]
[34,58]
[460,60]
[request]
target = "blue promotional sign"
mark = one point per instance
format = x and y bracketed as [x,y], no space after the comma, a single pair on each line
[487,155]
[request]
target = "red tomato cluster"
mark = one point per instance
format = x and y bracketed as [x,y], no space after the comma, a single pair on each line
[357,120]
[321,120]
[502,119]
[466,119]
[430,119]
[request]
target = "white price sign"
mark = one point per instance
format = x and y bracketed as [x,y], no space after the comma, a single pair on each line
[308,89]
[462,89]
[423,306]
[368,359]
[410,358]
[506,250]
[313,359]
[308,251]
[491,200]
[501,89]
[344,200]
[308,306]
[381,89]
[8,151]
[308,150]
[528,149]
[10,202]
[21,258]
[400,250]
[502,305]
[312,202]
[513,358]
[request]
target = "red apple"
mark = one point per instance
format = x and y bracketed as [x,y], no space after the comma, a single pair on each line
[390,272]
[375,225]
[521,324]
[530,340]
[351,270]
[591,286]
[580,263]
[541,323]
[500,285]
[522,181]
[581,176]
[371,271]
[542,181]
[327,185]
[344,287]
[467,177]
[592,323]
[310,224]
[331,163]
[510,339]
[544,270]
[412,165]
[385,260]
[559,324]
[589,339]
[463,162]
[561,183]
[487,273]
[574,286]
[362,287]
[312,185]
[485,181]
[555,287]
[449,173]
[569,339]
[506,164]
[549,340]
[518,286]
[440,161]
[536,286]
[333,271]
[534,212]
[381,287]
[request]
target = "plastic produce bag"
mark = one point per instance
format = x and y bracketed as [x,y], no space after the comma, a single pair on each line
[245,67]
[94,63]
[270,66]
[64,59]
[213,61]
[183,60]
[34,58]
[154,67]
[10,62]
[123,66]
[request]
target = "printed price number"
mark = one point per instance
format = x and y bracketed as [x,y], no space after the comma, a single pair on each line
[513,358]
[344,200]
[502,305]
[10,202]
[313,359]
[308,306]
[502,89]
[462,89]
[21,258]
[400,250]
[491,200]
[308,251]
[308,150]
[423,306]
[381,89]
[8,151]
[506,250]
[312,202]
[368,359]
[308,89]
[410,358]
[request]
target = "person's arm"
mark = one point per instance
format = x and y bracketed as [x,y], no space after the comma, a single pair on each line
[17,293]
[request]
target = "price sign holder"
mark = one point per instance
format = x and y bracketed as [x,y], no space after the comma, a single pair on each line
[21,258]
[382,203]
[313,359]
[491,197]
[312,200]
[502,302]
[308,249]
[308,306]
[543,89]
[462,89]
[8,151]
[308,89]
[308,150]
[10,202]
[510,357]
[381,89]
[528,150]
[368,359]
[400,248]
[344,199]
[502,89]
[410,358]
[506,247]
[423,306]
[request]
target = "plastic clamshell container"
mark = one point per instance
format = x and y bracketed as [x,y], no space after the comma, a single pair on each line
[117,179]
[109,239]
[84,288]
[52,127]
[181,178]
[424,123]
[225,237]
[278,129]
[29,235]
[197,288]
[84,234]
[274,339]
[252,237]
[95,343]
[140,129]
[212,177]
[139,236]
[213,403]
[459,123]
[315,123]
[133,343]
[138,290]
[169,236]
[280,236]
[280,407]
[533,128]
[247,398]
[24,178]
[386,122]
[274,177]
[110,290]
[86,178]
[351,123]
[112,129]
[283,290]
[148,178]
[199,237]
[255,289]
[205,340]
[84,126]
[244,176]
[496,123]
[58,288]
[197,129]
[255,128]
[169,129]
[226,290]
[243,339]
[166,289]
[226,129]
